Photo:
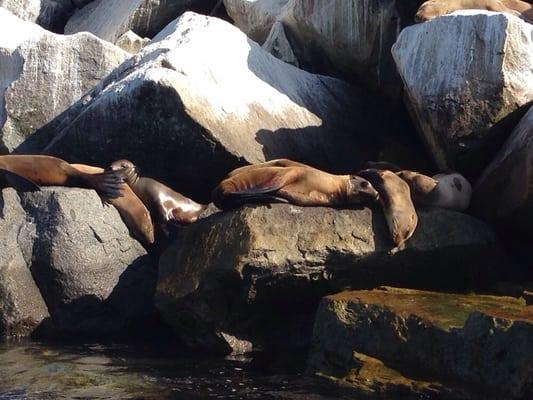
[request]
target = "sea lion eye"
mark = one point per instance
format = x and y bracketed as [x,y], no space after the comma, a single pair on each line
[365,184]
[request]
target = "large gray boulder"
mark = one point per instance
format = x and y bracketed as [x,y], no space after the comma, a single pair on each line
[95,278]
[109,19]
[351,39]
[257,273]
[50,14]
[43,74]
[255,17]
[432,344]
[69,266]
[205,99]
[22,307]
[504,192]
[466,75]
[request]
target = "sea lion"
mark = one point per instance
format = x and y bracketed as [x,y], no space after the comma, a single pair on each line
[131,209]
[38,170]
[395,199]
[297,184]
[451,190]
[165,204]
[279,162]
[436,8]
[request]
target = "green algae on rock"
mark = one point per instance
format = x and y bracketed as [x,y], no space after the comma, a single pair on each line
[479,343]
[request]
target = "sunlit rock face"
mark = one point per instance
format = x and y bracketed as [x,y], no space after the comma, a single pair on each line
[438,345]
[254,17]
[205,99]
[258,273]
[70,266]
[504,192]
[42,74]
[110,19]
[50,14]
[466,76]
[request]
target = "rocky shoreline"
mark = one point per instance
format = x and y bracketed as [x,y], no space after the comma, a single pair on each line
[189,96]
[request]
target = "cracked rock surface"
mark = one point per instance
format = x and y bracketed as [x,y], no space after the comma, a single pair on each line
[238,271]
[74,259]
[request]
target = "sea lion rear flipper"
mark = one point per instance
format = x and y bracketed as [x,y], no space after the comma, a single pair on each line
[108,184]
[18,182]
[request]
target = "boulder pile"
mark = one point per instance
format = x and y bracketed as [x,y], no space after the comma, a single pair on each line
[188,97]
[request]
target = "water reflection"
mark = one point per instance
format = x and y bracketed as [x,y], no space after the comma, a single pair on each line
[43,371]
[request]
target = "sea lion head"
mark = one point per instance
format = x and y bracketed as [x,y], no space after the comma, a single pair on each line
[429,10]
[360,190]
[130,172]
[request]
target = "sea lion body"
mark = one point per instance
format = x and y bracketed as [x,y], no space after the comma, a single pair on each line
[436,8]
[131,209]
[165,204]
[52,171]
[294,183]
[451,190]
[395,199]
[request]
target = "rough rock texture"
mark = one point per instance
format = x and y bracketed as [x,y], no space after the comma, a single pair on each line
[205,99]
[278,45]
[131,42]
[465,74]
[254,17]
[505,190]
[238,271]
[43,73]
[94,278]
[351,39]
[109,19]
[22,307]
[50,14]
[482,342]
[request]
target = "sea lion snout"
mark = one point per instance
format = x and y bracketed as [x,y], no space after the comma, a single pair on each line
[361,190]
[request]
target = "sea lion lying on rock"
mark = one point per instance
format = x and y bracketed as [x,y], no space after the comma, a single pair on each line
[288,181]
[451,190]
[395,199]
[165,204]
[436,8]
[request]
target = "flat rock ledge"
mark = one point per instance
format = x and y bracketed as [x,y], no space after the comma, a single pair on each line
[392,341]
[265,266]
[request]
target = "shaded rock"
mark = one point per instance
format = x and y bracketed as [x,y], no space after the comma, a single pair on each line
[254,18]
[109,19]
[50,14]
[278,45]
[131,42]
[80,3]
[44,73]
[465,75]
[350,39]
[484,343]
[22,307]
[504,192]
[254,272]
[205,99]
[94,277]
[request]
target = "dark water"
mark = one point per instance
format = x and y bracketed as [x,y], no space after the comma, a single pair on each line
[43,371]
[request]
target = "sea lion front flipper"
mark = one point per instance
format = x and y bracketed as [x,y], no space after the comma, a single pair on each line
[18,182]
[255,185]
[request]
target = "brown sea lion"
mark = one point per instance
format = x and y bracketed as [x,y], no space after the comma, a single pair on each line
[296,184]
[165,204]
[280,162]
[131,209]
[51,171]
[436,8]
[451,190]
[395,198]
